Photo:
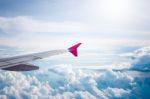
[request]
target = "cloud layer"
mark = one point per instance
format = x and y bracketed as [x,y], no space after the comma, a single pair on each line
[66,82]
[25,24]
[29,33]
[141,59]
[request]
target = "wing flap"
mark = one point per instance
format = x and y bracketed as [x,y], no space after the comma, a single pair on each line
[21,67]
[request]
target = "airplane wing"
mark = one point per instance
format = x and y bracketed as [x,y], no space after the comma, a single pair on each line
[20,63]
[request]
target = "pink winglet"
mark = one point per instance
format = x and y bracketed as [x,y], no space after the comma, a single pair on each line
[73,49]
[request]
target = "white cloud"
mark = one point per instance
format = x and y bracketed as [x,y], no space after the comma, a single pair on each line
[65,81]
[38,43]
[3,97]
[26,32]
[18,85]
[140,59]
[117,92]
[73,83]
[25,24]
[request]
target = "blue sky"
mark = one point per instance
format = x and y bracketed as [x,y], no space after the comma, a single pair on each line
[119,22]
[115,35]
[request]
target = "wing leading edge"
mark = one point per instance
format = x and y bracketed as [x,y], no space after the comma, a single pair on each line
[20,63]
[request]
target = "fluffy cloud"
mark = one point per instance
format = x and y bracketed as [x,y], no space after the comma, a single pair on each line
[17,85]
[117,92]
[141,59]
[69,83]
[65,82]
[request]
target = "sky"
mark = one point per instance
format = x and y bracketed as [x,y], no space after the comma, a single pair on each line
[98,22]
[114,35]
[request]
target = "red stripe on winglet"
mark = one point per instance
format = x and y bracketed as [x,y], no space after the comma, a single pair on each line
[74,50]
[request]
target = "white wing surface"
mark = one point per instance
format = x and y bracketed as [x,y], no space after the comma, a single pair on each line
[20,63]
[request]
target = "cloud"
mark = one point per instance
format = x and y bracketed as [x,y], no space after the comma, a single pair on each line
[17,85]
[141,59]
[66,82]
[117,92]
[32,42]
[29,33]
[25,24]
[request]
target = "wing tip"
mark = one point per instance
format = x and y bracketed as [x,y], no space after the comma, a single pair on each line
[74,49]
